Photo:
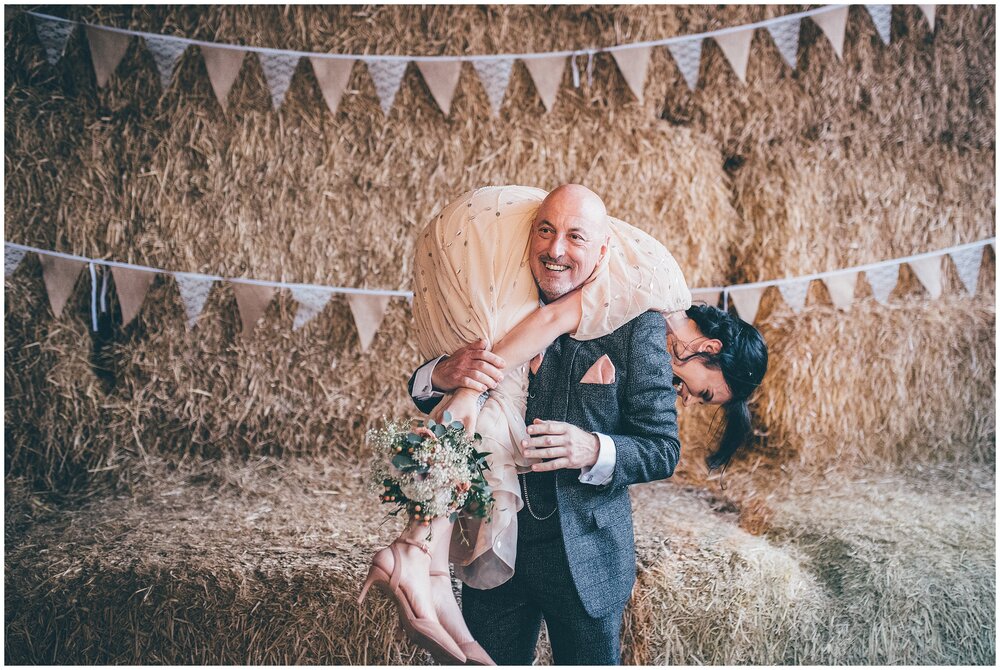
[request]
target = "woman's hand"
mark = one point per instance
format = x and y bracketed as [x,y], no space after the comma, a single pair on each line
[463,405]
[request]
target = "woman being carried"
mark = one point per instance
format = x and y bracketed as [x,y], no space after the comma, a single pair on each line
[481,265]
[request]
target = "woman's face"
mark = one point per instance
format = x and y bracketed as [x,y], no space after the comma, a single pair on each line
[697,383]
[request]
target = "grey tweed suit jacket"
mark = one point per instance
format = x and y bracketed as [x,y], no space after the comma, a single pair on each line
[638,412]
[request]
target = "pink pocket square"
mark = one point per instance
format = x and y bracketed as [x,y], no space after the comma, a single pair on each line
[601,372]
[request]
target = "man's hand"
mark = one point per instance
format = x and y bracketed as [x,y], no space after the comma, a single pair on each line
[569,446]
[472,366]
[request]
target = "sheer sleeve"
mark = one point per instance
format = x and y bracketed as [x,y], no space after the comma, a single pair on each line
[637,275]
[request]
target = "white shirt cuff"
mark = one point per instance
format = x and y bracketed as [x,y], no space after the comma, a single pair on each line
[423,388]
[604,469]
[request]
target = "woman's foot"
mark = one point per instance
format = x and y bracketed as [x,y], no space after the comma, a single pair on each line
[446,607]
[404,576]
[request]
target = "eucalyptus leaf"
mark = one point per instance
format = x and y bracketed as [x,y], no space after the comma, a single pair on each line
[447,417]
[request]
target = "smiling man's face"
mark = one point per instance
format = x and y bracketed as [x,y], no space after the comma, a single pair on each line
[568,238]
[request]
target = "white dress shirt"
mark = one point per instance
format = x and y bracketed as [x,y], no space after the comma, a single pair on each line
[597,474]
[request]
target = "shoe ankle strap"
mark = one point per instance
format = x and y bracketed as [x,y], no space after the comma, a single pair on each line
[440,573]
[422,546]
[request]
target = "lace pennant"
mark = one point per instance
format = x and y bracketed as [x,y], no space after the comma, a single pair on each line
[387,75]
[883,280]
[278,71]
[53,35]
[495,75]
[786,38]
[12,257]
[194,293]
[687,55]
[795,294]
[311,301]
[166,52]
[882,18]
[967,263]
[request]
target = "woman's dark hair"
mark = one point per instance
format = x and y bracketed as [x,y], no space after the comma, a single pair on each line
[743,362]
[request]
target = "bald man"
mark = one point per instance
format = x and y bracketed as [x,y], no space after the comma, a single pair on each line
[575,564]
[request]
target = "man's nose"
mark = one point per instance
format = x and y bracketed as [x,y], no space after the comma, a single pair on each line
[557,246]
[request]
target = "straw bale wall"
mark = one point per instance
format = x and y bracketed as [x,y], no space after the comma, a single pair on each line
[887,153]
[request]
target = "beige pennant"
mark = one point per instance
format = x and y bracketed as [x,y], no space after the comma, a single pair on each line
[107,48]
[441,77]
[332,74]
[60,276]
[841,289]
[131,286]
[833,24]
[368,311]
[928,271]
[736,46]
[928,11]
[547,73]
[252,301]
[223,65]
[746,301]
[710,298]
[634,64]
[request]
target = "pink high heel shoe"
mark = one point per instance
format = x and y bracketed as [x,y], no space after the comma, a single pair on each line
[474,653]
[426,633]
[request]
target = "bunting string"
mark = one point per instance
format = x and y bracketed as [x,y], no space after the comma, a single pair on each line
[108,45]
[194,287]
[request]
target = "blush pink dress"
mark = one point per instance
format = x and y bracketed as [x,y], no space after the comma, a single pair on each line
[472,280]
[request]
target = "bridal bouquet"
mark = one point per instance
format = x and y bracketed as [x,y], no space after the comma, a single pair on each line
[430,470]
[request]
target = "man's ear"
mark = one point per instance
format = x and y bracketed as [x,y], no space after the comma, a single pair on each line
[710,346]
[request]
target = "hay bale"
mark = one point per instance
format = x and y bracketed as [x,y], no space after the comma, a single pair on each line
[884,570]
[909,563]
[259,561]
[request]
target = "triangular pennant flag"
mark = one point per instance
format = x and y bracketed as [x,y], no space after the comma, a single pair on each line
[194,293]
[841,289]
[794,293]
[132,286]
[967,262]
[60,276]
[687,55]
[928,271]
[736,47]
[53,35]
[222,65]
[634,64]
[786,37]
[368,311]
[278,71]
[833,24]
[928,11]
[252,301]
[12,257]
[311,301]
[710,298]
[495,75]
[107,48]
[166,52]
[441,77]
[746,301]
[387,75]
[547,74]
[883,280]
[332,74]
[882,18]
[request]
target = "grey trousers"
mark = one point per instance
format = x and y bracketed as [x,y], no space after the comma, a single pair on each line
[506,620]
